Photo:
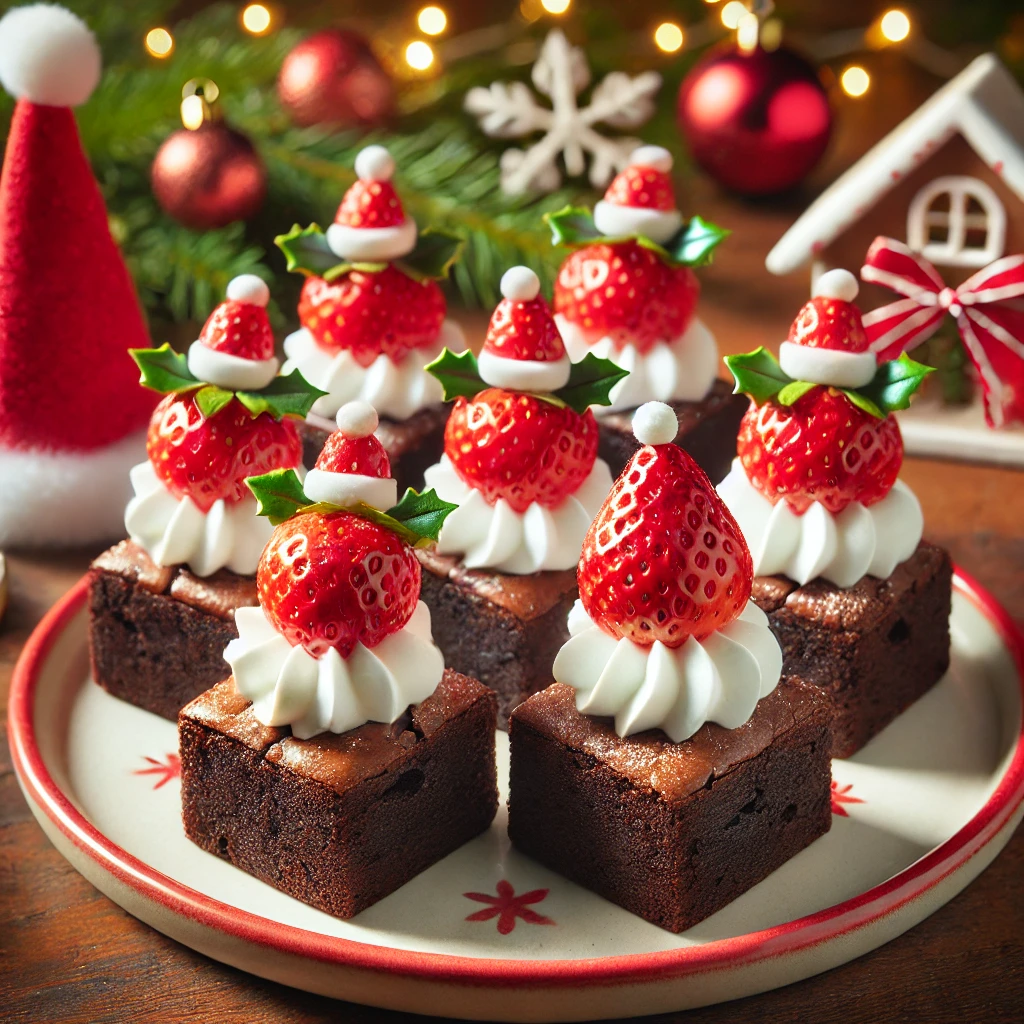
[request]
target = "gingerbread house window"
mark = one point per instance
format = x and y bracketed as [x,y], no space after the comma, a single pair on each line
[958,222]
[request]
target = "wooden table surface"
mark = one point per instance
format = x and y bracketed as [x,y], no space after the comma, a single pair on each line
[68,954]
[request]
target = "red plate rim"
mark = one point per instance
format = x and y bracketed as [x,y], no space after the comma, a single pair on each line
[803,933]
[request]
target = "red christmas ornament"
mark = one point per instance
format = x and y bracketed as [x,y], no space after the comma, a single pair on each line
[333,77]
[756,121]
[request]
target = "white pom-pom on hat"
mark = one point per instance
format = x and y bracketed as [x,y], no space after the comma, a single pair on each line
[520,284]
[357,419]
[837,284]
[375,163]
[48,56]
[656,157]
[655,423]
[248,288]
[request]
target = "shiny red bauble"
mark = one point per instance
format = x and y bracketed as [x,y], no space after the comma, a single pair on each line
[756,121]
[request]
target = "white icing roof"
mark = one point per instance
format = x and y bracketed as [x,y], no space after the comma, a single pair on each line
[984,103]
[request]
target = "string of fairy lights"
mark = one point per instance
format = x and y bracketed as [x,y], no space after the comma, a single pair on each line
[747,20]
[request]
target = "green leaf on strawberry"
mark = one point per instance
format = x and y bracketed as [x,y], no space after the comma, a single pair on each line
[306,250]
[433,256]
[894,383]
[164,370]
[757,374]
[279,494]
[794,391]
[290,395]
[573,225]
[590,383]
[212,399]
[424,514]
[457,373]
[694,244]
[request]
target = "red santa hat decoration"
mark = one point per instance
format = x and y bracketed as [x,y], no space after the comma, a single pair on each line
[72,413]
[640,200]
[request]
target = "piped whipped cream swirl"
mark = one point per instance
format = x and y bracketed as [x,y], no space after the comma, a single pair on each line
[175,531]
[676,689]
[682,370]
[288,686]
[396,390]
[497,537]
[862,540]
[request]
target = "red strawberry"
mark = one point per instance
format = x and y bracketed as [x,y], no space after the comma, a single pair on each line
[626,292]
[369,314]
[642,186]
[512,445]
[822,448]
[239,329]
[826,322]
[524,330]
[208,459]
[664,559]
[335,581]
[362,455]
[370,204]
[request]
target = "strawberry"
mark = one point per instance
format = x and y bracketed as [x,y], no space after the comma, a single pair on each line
[644,187]
[335,581]
[626,292]
[369,314]
[362,455]
[209,459]
[827,322]
[664,559]
[239,329]
[516,446]
[524,330]
[822,448]
[370,204]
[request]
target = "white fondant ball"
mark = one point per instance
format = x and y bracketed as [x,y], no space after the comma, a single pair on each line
[375,163]
[48,56]
[656,157]
[655,423]
[520,284]
[248,288]
[357,419]
[837,284]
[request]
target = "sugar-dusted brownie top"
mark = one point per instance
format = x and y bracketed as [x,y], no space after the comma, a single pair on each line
[689,414]
[851,608]
[650,760]
[527,597]
[339,761]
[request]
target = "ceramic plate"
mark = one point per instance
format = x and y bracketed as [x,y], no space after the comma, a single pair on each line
[487,933]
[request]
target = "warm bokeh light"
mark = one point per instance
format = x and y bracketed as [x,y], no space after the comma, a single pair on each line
[159,42]
[747,32]
[771,34]
[419,55]
[193,112]
[895,25]
[668,36]
[733,13]
[855,80]
[432,21]
[256,19]
[555,6]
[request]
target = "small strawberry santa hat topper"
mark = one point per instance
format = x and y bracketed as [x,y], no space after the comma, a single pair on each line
[353,474]
[827,347]
[640,205]
[523,351]
[370,231]
[72,416]
[232,358]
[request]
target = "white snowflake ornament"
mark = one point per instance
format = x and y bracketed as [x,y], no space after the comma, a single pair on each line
[509,110]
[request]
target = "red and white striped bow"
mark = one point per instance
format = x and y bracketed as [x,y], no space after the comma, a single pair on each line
[991,323]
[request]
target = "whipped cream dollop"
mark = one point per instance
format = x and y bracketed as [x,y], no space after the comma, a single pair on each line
[288,686]
[862,540]
[676,689]
[175,531]
[682,370]
[396,390]
[497,537]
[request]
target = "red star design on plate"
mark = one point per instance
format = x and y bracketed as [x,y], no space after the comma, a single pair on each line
[841,795]
[168,769]
[507,906]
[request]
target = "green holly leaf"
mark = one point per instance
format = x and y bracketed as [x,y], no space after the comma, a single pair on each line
[306,250]
[422,514]
[757,374]
[694,244]
[458,374]
[290,395]
[279,494]
[859,399]
[164,370]
[433,256]
[794,391]
[894,383]
[212,399]
[590,383]
[573,225]
[343,268]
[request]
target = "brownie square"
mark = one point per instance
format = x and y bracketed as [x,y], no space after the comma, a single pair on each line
[339,821]
[670,831]
[707,431]
[157,634]
[502,629]
[874,647]
[412,445]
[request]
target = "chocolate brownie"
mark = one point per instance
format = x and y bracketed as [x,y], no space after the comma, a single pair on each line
[157,634]
[339,821]
[502,629]
[412,445]
[875,647]
[670,831]
[707,431]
